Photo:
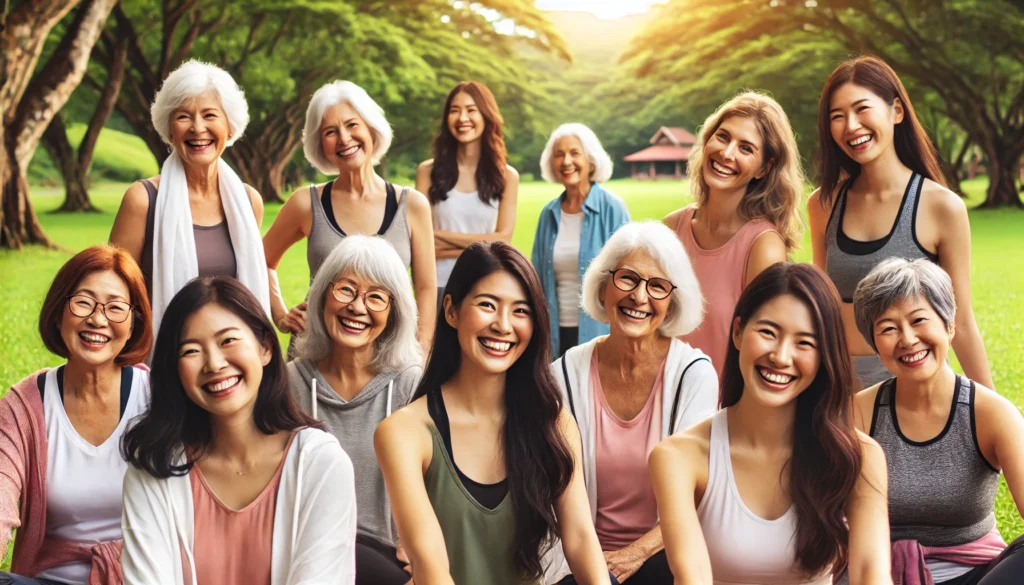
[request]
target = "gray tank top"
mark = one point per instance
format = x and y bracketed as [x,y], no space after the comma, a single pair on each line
[847,261]
[214,252]
[942,492]
[324,236]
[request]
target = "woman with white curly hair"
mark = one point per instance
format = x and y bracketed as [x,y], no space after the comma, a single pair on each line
[346,134]
[635,387]
[572,228]
[197,202]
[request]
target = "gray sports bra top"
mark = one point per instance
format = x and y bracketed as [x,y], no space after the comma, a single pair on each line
[847,261]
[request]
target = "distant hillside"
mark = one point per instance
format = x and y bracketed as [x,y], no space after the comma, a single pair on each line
[118,157]
[595,41]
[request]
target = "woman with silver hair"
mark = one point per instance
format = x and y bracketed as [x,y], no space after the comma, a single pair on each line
[634,387]
[946,438]
[358,361]
[197,202]
[346,134]
[572,229]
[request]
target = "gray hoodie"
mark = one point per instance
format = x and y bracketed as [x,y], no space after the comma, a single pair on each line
[353,423]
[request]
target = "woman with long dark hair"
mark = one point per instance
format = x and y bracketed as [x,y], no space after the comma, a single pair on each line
[229,481]
[472,191]
[483,467]
[883,195]
[778,486]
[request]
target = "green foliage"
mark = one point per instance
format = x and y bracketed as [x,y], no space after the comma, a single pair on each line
[118,157]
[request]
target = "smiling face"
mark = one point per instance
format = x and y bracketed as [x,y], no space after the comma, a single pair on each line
[494,322]
[220,362]
[635,313]
[200,130]
[862,123]
[351,324]
[96,340]
[571,165]
[912,340]
[465,121]
[734,155]
[346,138]
[778,349]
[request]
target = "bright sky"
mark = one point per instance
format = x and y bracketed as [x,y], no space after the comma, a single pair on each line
[602,8]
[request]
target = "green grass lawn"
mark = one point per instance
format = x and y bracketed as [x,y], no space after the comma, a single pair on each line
[997,274]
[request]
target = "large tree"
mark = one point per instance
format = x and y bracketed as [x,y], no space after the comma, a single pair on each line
[970,53]
[31,95]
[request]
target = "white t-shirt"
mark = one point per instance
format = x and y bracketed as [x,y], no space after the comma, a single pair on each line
[566,258]
[83,481]
[463,213]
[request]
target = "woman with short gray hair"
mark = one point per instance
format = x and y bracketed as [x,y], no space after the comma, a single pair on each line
[346,134]
[634,387]
[946,438]
[572,229]
[358,360]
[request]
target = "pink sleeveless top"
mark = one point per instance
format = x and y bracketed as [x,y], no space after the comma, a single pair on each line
[234,547]
[722,273]
[626,508]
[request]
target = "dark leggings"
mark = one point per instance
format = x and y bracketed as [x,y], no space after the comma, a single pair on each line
[12,579]
[1006,569]
[654,571]
[376,564]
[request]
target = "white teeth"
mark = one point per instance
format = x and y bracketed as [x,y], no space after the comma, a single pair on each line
[94,337]
[719,168]
[633,313]
[350,150]
[859,141]
[775,378]
[496,345]
[353,324]
[223,384]
[199,142]
[914,357]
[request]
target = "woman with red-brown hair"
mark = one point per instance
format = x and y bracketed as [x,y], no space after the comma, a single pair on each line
[61,428]
[882,195]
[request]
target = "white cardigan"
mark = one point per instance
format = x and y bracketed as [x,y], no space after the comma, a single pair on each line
[314,522]
[689,395]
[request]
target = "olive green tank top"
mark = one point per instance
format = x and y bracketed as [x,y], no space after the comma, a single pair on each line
[480,542]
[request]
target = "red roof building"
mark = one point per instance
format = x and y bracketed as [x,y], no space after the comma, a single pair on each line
[666,157]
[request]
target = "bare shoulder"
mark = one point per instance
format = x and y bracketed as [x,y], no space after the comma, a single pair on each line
[992,408]
[872,457]
[254,197]
[135,202]
[770,243]
[942,202]
[864,404]
[510,172]
[406,425]
[691,447]
[427,166]
[816,206]
[299,200]
[672,219]
[417,201]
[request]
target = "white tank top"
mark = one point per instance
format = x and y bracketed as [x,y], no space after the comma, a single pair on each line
[566,260]
[745,549]
[83,481]
[464,213]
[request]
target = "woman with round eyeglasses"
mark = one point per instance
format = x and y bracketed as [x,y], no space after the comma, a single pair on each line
[60,428]
[357,361]
[634,387]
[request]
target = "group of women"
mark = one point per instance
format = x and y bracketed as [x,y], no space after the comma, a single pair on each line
[713,414]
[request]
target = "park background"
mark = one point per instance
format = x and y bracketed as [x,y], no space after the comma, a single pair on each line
[78,77]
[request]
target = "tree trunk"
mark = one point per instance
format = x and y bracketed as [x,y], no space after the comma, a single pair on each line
[1003,165]
[18,222]
[76,192]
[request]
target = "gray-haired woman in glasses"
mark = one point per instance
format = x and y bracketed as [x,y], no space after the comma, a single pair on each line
[359,361]
[634,387]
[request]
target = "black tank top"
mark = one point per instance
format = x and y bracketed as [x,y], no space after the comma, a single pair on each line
[489,495]
[390,208]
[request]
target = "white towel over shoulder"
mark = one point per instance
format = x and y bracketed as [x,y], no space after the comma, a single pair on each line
[174,246]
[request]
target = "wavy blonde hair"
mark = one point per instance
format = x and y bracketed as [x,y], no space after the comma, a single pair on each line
[776,196]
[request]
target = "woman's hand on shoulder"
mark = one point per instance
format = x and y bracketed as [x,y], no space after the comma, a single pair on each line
[129,229]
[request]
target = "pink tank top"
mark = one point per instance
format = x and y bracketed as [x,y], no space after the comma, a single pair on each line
[233,547]
[722,273]
[626,508]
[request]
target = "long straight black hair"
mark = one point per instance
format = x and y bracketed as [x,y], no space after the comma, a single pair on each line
[538,460]
[826,459]
[174,426]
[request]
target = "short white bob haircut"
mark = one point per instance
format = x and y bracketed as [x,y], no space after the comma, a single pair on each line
[371,258]
[191,80]
[592,149]
[327,97]
[686,306]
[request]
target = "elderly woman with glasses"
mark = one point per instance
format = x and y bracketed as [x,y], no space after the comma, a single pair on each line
[634,387]
[946,438]
[60,428]
[359,361]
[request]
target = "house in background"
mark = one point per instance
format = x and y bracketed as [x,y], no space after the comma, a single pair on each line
[666,157]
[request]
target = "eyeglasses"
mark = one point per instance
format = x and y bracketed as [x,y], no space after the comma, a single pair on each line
[114,311]
[375,300]
[626,280]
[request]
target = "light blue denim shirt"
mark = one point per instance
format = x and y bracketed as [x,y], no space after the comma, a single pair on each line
[603,213]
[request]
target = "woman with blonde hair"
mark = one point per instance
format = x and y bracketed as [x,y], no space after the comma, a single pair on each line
[746,182]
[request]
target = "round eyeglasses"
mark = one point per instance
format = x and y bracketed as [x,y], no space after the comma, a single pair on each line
[375,300]
[114,311]
[627,280]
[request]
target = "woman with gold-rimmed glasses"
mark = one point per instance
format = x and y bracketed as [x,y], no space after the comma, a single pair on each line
[60,428]
[634,387]
[358,360]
